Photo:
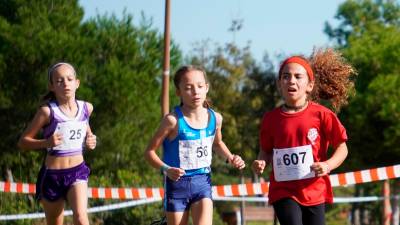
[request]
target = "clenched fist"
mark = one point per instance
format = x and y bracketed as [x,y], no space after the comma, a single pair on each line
[258,166]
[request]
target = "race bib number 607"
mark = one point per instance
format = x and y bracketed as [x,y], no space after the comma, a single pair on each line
[293,163]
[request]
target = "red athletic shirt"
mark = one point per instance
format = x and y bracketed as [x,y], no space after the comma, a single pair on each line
[283,130]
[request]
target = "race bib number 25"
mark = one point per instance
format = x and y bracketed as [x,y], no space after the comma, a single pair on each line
[73,132]
[293,163]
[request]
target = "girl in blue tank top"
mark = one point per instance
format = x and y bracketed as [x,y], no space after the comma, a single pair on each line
[188,135]
[64,122]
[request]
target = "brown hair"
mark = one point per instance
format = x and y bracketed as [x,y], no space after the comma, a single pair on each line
[185,69]
[334,77]
[49,96]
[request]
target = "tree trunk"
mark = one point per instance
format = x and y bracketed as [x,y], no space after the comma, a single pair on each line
[395,203]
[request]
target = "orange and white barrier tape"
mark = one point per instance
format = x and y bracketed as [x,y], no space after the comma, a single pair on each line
[364,176]
[250,189]
[17,187]
[240,189]
[125,193]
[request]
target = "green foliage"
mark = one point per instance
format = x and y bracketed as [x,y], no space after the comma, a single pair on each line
[384,89]
[373,47]
[357,16]
[369,37]
[15,204]
[26,50]
[120,69]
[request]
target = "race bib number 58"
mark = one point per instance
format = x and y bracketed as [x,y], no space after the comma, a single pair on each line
[293,163]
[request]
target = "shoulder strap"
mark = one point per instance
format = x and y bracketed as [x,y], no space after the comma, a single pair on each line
[213,120]
[51,116]
[83,112]
[180,121]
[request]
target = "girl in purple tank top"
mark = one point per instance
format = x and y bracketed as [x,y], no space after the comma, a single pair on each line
[64,122]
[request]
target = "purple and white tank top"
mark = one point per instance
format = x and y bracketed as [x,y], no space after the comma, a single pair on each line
[73,129]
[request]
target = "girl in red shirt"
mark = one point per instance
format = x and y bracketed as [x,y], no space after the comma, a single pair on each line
[295,137]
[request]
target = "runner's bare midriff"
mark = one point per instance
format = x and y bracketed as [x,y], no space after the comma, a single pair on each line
[56,162]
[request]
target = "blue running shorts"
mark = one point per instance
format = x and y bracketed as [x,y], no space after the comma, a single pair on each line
[179,195]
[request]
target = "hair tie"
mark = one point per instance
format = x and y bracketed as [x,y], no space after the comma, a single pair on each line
[55,66]
[300,61]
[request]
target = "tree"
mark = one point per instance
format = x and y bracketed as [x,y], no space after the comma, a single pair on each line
[357,16]
[119,66]
[369,36]
[32,36]
[373,47]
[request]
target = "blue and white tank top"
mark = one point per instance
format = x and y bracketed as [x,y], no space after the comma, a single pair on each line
[191,150]
[72,129]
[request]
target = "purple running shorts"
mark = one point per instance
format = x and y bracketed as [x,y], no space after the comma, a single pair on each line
[53,184]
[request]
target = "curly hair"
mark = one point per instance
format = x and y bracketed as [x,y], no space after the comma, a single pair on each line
[334,77]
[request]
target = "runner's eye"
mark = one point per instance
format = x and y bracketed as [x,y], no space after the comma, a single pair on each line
[285,76]
[188,88]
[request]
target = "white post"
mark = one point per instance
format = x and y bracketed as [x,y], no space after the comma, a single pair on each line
[238,217]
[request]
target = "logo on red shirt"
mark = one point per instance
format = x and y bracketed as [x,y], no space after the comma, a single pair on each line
[312,135]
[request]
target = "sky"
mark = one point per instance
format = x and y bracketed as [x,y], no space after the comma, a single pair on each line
[275,27]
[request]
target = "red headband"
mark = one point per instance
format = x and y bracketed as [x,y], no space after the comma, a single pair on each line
[300,61]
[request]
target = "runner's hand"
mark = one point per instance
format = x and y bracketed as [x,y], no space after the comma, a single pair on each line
[174,173]
[91,141]
[237,162]
[258,166]
[54,140]
[321,168]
